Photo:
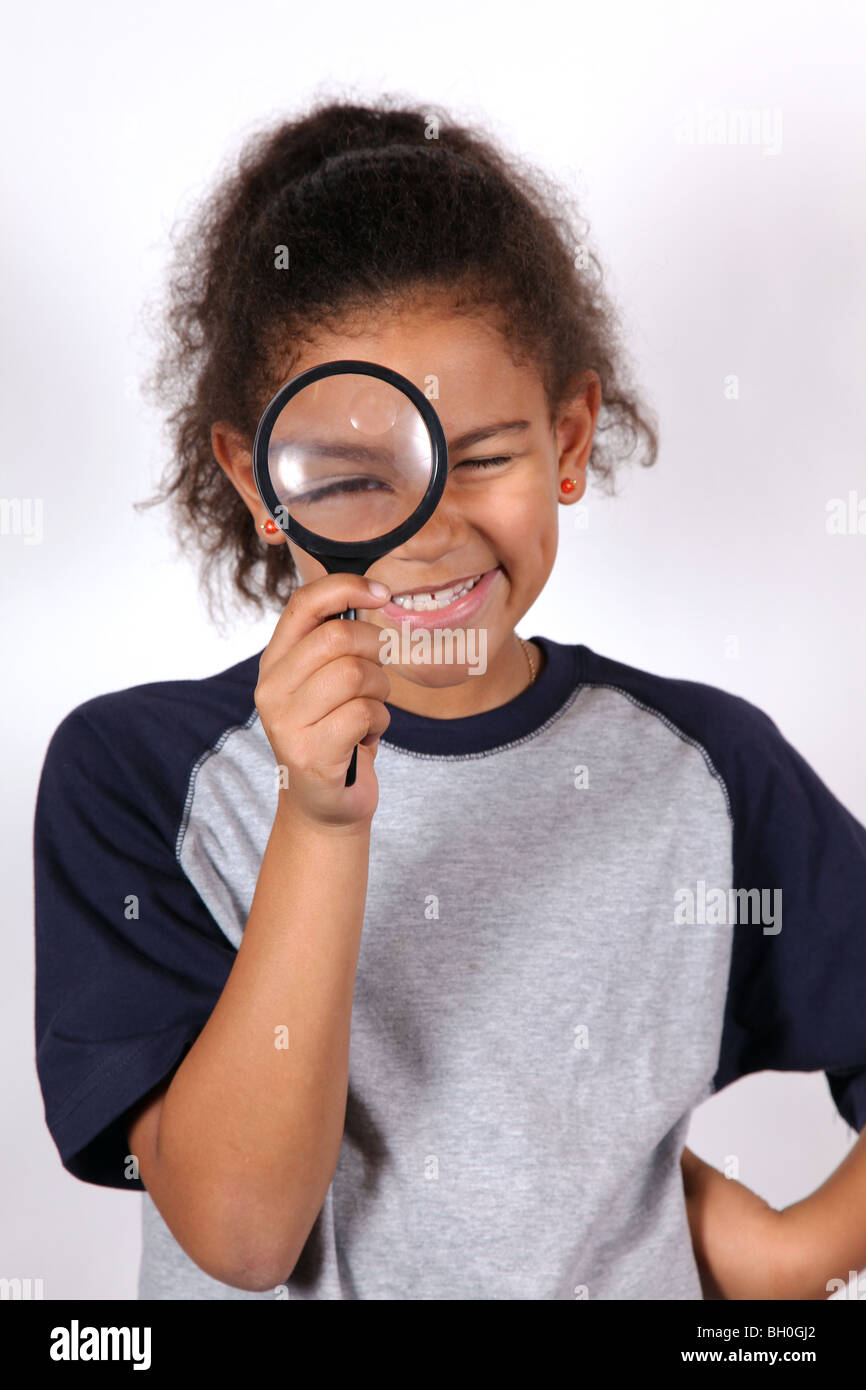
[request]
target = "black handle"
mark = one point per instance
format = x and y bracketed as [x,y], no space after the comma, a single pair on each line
[353,765]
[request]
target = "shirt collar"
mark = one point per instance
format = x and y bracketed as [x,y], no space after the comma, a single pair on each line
[482,733]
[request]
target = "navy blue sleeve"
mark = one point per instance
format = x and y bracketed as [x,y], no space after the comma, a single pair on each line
[129,963]
[796,997]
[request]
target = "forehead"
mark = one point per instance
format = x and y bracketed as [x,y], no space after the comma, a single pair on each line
[461,361]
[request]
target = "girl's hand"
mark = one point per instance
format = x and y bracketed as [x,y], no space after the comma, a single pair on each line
[737,1237]
[321,691]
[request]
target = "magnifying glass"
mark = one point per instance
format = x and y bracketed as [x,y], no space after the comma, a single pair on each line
[350,460]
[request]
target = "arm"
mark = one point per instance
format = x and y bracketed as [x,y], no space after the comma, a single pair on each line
[794,1004]
[736,1235]
[240,1149]
[239,1152]
[747,1249]
[825,1233]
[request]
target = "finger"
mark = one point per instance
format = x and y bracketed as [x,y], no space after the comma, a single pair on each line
[360,721]
[339,682]
[312,604]
[328,643]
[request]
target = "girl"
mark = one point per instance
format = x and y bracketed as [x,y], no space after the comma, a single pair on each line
[437,1035]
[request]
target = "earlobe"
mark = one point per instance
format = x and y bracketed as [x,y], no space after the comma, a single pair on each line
[572,489]
[574,436]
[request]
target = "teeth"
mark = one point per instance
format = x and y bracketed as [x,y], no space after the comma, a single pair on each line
[438,598]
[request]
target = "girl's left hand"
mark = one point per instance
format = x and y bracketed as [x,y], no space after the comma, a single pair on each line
[737,1237]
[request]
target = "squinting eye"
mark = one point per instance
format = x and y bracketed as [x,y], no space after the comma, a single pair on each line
[484,463]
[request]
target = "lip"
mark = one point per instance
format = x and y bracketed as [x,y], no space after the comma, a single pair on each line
[457,612]
[453,584]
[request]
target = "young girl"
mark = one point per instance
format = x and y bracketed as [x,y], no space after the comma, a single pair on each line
[437,1035]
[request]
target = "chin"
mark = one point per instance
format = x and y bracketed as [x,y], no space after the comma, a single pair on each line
[433,676]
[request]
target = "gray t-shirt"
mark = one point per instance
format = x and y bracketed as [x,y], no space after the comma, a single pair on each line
[573,935]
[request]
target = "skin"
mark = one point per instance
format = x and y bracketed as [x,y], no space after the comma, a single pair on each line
[747,1249]
[485,515]
[744,1248]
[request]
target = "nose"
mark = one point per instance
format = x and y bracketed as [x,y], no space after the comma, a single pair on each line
[443,532]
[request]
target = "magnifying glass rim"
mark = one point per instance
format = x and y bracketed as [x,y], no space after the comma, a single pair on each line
[311,541]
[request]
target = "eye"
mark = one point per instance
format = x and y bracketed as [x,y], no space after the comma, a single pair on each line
[340,487]
[485,463]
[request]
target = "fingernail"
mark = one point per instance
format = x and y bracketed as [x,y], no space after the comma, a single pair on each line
[379,590]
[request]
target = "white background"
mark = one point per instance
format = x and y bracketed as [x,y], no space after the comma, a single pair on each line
[725,260]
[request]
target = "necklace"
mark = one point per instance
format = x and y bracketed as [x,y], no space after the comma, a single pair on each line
[527,647]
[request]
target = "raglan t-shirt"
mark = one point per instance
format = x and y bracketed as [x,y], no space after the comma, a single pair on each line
[588,909]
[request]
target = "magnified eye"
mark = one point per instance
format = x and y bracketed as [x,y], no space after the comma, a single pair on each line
[350,456]
[343,487]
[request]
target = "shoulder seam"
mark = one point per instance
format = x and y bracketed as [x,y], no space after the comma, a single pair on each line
[674,728]
[197,766]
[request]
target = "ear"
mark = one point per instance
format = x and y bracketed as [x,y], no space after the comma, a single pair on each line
[575,428]
[234,456]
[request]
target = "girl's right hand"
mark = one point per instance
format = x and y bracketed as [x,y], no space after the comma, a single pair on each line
[321,691]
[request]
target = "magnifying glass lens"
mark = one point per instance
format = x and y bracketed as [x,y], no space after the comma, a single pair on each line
[350,457]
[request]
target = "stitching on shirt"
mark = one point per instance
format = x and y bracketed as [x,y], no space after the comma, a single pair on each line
[686,738]
[499,748]
[101,1072]
[208,753]
[584,684]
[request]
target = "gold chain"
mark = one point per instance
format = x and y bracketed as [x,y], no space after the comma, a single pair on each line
[527,647]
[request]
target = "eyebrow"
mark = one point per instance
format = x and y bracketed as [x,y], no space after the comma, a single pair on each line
[331,449]
[486,432]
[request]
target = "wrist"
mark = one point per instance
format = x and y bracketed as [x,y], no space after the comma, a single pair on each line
[291,819]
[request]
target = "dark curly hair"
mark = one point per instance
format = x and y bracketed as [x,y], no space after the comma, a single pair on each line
[377,203]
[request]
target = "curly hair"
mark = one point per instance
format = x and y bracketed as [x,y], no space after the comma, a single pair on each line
[378,203]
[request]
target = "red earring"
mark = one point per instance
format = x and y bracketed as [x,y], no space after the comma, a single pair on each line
[270,527]
[567,485]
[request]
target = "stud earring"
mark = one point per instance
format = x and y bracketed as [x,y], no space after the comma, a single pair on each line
[270,527]
[567,485]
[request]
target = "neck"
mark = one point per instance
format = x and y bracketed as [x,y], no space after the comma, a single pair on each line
[505,677]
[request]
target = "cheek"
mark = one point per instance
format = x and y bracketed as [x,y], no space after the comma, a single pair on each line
[307,568]
[527,521]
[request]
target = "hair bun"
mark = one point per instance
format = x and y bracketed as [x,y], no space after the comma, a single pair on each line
[348,129]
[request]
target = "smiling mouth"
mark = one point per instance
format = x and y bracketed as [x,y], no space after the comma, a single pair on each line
[428,600]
